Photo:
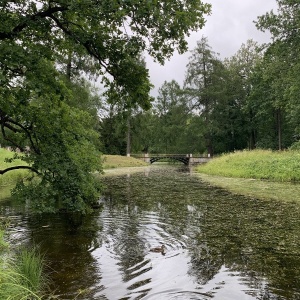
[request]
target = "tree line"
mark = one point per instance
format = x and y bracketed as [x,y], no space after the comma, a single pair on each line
[247,101]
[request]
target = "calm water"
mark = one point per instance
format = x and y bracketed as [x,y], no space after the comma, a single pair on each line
[219,246]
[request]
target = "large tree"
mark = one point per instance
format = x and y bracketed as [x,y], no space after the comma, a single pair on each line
[42,44]
[280,68]
[241,67]
[172,112]
[204,84]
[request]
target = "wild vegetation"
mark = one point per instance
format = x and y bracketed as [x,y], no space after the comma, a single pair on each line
[249,100]
[21,272]
[259,164]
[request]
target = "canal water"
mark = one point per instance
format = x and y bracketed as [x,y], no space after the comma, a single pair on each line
[218,245]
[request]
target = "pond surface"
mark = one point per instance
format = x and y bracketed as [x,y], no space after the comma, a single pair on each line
[218,245]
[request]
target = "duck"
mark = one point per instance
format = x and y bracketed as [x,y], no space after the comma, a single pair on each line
[160,249]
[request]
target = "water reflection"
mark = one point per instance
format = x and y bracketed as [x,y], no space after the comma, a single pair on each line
[219,245]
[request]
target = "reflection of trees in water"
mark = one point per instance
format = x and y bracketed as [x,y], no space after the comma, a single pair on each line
[258,239]
[71,266]
[124,228]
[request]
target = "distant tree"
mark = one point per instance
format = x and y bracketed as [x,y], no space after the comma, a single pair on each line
[280,69]
[204,85]
[173,113]
[241,67]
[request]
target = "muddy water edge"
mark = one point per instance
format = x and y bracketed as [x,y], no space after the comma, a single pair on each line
[218,245]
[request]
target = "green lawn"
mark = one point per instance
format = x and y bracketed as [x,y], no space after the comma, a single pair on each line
[118,161]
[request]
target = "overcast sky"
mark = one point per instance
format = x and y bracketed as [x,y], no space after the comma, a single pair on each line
[227,28]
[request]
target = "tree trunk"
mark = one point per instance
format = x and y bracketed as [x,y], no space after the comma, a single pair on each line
[69,66]
[252,138]
[279,129]
[128,138]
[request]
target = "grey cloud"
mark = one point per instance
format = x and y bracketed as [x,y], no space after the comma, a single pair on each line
[230,25]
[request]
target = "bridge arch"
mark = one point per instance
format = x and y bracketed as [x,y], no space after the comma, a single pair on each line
[183,159]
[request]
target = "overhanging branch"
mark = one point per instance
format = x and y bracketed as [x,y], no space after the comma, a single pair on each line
[42,14]
[18,168]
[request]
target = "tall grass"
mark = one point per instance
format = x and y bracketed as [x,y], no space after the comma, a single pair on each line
[21,273]
[257,164]
[21,277]
[30,265]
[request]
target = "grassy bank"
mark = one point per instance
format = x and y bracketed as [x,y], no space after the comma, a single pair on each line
[281,166]
[118,161]
[12,177]
[261,189]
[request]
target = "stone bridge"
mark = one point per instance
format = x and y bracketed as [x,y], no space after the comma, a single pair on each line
[187,159]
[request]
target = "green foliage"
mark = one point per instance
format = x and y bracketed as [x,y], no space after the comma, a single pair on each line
[48,111]
[65,159]
[204,85]
[279,76]
[22,272]
[259,164]
[172,118]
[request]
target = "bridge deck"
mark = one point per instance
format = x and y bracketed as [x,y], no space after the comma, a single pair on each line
[187,159]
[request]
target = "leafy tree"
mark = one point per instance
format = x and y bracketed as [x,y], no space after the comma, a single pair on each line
[280,68]
[204,85]
[241,67]
[44,42]
[144,132]
[172,112]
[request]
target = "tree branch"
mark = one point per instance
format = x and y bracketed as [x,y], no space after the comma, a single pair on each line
[86,44]
[42,14]
[7,122]
[17,168]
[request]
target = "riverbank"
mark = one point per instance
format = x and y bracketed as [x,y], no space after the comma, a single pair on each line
[254,188]
[111,163]
[280,166]
[12,177]
[261,174]
[118,161]
[21,272]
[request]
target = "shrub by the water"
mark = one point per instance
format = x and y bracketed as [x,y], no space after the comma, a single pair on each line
[258,164]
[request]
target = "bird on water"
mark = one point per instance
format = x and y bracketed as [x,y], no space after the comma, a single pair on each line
[160,249]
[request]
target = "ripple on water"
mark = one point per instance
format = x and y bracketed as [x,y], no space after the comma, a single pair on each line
[218,245]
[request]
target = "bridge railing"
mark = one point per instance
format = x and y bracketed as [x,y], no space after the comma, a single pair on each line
[139,155]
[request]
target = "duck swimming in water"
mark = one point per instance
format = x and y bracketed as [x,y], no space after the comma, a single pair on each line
[160,249]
